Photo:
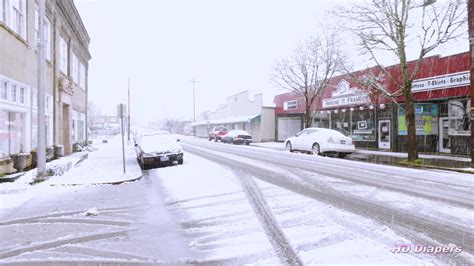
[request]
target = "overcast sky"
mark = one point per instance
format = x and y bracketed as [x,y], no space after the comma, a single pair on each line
[228,46]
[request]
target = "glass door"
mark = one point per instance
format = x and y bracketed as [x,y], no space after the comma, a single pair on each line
[444,143]
[384,134]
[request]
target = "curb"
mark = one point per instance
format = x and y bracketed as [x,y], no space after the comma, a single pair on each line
[413,165]
[102,183]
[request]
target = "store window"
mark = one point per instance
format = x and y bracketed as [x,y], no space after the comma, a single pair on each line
[341,122]
[321,119]
[11,132]
[459,112]
[426,117]
[363,125]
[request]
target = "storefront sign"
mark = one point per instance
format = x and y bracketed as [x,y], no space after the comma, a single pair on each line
[454,80]
[345,95]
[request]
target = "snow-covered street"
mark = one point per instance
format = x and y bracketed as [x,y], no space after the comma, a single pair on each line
[236,204]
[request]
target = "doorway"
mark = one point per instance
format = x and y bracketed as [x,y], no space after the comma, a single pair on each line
[444,143]
[384,134]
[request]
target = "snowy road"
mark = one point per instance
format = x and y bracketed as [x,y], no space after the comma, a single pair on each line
[426,206]
[237,204]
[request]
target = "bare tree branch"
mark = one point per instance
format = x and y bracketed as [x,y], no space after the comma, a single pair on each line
[308,71]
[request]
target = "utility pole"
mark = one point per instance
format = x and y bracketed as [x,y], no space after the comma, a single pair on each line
[128,113]
[194,81]
[41,152]
[470,15]
[120,111]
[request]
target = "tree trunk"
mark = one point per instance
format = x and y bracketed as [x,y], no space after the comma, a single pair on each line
[308,118]
[409,108]
[411,122]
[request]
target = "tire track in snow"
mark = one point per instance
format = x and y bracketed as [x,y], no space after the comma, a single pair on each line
[36,219]
[430,226]
[270,225]
[388,181]
[62,242]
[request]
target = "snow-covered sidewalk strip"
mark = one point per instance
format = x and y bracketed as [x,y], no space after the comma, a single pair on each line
[104,166]
[281,146]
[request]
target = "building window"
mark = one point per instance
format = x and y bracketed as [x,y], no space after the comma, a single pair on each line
[22,95]
[4,91]
[459,112]
[34,99]
[17,17]
[63,55]
[47,38]
[3,10]
[290,105]
[14,93]
[47,34]
[426,119]
[82,76]
[75,68]
[363,125]
[35,40]
[340,121]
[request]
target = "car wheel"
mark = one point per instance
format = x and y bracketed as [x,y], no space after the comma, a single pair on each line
[180,161]
[144,165]
[216,139]
[232,141]
[316,149]
[210,138]
[289,147]
[341,155]
[247,143]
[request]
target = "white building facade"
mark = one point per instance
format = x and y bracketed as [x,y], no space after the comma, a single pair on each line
[240,112]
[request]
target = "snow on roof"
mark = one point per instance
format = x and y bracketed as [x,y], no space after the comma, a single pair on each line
[236,119]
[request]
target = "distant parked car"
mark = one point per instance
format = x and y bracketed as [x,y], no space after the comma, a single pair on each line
[237,137]
[217,133]
[158,150]
[321,141]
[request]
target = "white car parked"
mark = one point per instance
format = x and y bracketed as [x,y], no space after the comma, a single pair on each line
[319,141]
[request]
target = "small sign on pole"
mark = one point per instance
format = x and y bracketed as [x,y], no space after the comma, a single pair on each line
[120,113]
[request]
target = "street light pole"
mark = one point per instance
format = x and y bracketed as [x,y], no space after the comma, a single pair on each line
[194,81]
[41,149]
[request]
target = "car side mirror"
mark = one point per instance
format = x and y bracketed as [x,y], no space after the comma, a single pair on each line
[136,144]
[178,140]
